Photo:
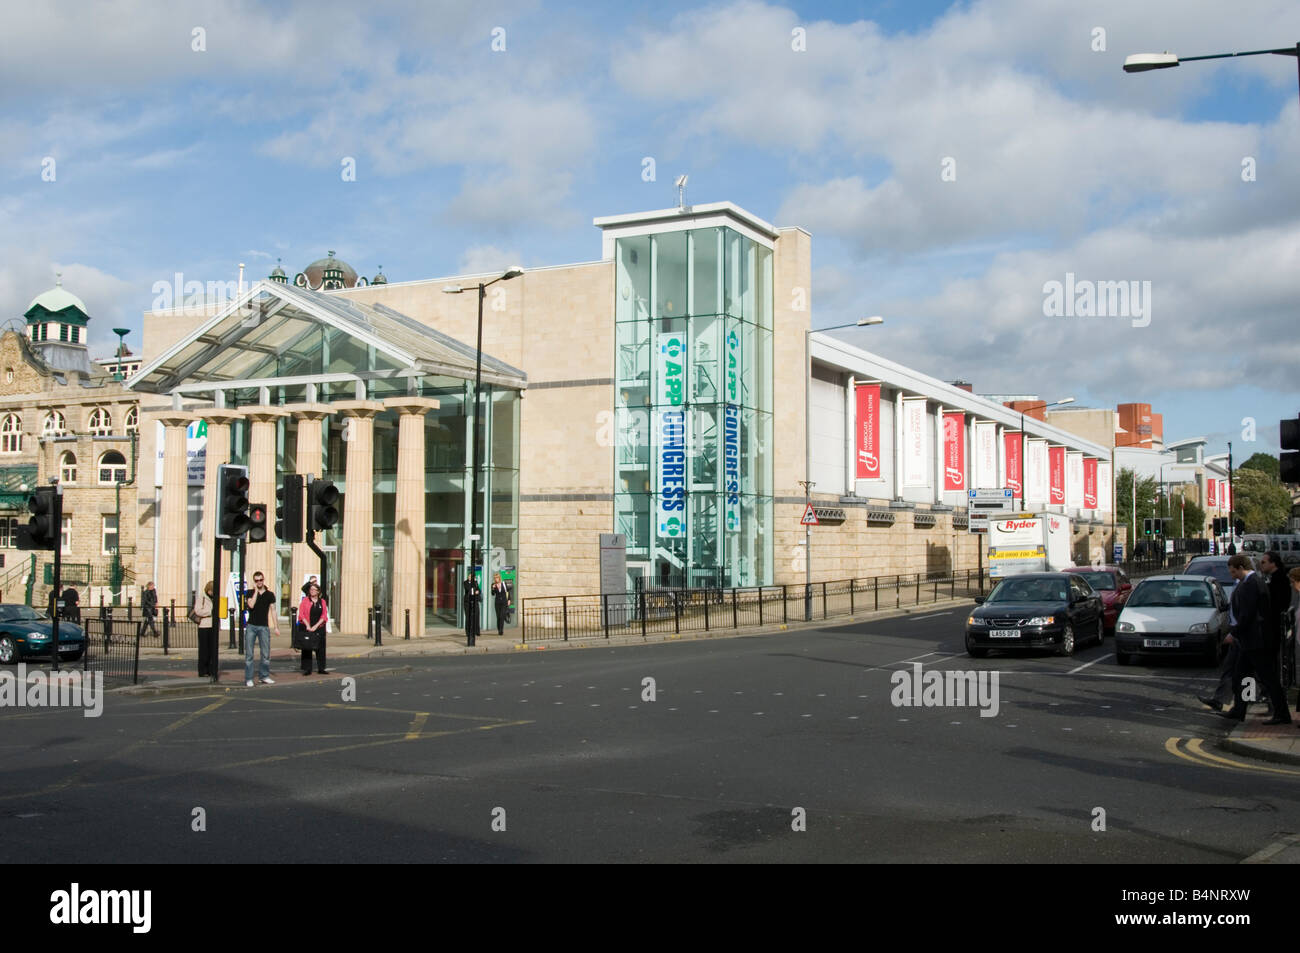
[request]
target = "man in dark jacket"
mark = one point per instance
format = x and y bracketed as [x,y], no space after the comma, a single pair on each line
[1279,596]
[1250,609]
[148,610]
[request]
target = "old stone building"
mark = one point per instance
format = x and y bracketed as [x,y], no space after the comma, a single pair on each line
[64,418]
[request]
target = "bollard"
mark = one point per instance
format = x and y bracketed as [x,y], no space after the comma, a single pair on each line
[565,612]
[407,624]
[379,632]
[167,629]
[108,628]
[370,623]
[708,597]
[735,610]
[129,602]
[850,597]
[760,605]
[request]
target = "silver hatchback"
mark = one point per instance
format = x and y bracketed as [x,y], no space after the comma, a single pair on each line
[1173,615]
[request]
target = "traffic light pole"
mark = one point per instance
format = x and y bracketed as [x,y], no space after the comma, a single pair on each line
[214,658]
[311,544]
[1232,501]
[56,613]
[243,551]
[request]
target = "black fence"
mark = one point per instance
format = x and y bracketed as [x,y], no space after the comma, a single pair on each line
[112,648]
[673,611]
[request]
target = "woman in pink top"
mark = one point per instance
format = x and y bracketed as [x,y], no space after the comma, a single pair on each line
[312,616]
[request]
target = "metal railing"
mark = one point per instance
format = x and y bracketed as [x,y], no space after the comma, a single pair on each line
[673,611]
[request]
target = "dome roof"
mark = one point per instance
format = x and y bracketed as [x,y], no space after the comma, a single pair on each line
[315,273]
[279,272]
[379,279]
[56,299]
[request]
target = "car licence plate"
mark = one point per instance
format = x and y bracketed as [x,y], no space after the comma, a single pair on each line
[1160,643]
[1004,633]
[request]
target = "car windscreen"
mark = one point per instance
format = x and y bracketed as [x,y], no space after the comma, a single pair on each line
[19,614]
[1100,580]
[1255,545]
[1172,594]
[1206,567]
[1029,590]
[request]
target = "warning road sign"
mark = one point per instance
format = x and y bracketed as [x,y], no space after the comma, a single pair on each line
[809,516]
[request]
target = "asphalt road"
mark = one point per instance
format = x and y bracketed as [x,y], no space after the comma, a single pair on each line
[566,752]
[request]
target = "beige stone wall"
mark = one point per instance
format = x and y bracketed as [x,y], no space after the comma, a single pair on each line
[791,318]
[559,546]
[1096,425]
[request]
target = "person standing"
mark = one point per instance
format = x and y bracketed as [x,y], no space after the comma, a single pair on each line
[1250,608]
[148,611]
[71,605]
[1279,597]
[201,614]
[501,602]
[313,614]
[262,618]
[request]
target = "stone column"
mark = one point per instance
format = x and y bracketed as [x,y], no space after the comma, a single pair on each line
[310,459]
[408,523]
[172,561]
[218,452]
[261,484]
[357,565]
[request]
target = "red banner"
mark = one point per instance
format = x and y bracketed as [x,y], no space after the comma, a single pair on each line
[1013,442]
[954,451]
[1089,483]
[1056,475]
[1211,497]
[1225,497]
[868,432]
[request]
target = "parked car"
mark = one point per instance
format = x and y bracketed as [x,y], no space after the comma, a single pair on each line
[25,633]
[1036,610]
[1113,587]
[1176,615]
[1216,566]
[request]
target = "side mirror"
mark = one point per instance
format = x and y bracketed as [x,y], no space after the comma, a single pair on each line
[979,600]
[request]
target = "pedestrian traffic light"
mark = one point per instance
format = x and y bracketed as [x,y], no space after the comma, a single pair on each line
[257,522]
[321,511]
[288,509]
[42,530]
[1289,458]
[1146,525]
[232,501]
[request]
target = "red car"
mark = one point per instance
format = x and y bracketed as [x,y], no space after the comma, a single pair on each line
[1113,587]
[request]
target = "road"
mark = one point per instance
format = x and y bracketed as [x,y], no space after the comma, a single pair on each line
[564,750]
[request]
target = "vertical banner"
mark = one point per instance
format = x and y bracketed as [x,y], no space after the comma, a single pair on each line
[1211,497]
[1225,494]
[986,457]
[954,451]
[731,458]
[1074,480]
[670,435]
[1014,444]
[1090,483]
[868,442]
[1035,472]
[1105,486]
[914,470]
[1056,476]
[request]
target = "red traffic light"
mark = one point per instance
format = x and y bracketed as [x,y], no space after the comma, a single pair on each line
[257,522]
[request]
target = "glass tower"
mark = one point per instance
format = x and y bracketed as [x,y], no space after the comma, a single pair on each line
[693,408]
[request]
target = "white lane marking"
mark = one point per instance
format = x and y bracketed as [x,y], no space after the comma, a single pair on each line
[1260,856]
[1086,664]
[918,618]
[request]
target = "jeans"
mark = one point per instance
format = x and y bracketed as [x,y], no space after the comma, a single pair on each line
[260,634]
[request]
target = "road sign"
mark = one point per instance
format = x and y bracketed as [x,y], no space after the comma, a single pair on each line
[981,504]
[1118,555]
[809,516]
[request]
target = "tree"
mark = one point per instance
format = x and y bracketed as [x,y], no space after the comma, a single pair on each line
[1264,463]
[1188,516]
[1260,500]
[1148,493]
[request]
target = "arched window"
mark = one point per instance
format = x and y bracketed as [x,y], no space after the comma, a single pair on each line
[56,425]
[11,434]
[68,467]
[133,420]
[100,423]
[112,468]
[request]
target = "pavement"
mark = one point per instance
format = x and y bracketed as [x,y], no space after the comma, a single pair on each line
[1277,743]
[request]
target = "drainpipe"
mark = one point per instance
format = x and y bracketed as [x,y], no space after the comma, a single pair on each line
[117,494]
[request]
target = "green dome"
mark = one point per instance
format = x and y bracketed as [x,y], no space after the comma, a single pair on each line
[56,299]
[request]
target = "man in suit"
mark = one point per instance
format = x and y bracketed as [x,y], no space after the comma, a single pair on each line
[1250,610]
[1279,596]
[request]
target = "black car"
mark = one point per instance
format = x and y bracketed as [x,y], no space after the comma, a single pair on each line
[1036,610]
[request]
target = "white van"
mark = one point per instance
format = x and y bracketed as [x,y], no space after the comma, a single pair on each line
[1028,542]
[1285,545]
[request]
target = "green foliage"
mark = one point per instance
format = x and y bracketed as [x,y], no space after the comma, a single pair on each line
[1264,463]
[1148,489]
[1260,500]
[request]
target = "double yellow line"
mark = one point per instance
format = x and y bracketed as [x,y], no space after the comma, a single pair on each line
[1193,750]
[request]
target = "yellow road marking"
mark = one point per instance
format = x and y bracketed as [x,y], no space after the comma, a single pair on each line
[1207,759]
[417,723]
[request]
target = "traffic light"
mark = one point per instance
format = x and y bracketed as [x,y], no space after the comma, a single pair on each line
[257,522]
[232,501]
[1220,526]
[1289,458]
[288,509]
[321,511]
[42,530]
[1146,525]
[1240,527]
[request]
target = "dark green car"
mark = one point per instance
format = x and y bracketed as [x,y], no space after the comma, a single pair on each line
[25,633]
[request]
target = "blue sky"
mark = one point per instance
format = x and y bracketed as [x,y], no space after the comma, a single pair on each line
[170,159]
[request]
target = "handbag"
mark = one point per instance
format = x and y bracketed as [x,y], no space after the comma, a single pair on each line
[304,640]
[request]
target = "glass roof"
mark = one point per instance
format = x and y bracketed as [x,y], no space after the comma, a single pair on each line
[277,331]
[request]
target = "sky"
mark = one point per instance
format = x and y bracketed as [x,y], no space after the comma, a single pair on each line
[954,164]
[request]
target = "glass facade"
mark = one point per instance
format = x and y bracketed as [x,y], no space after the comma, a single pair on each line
[693,406]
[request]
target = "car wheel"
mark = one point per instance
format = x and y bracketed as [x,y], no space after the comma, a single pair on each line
[975,651]
[1101,629]
[1123,658]
[7,650]
[1067,641]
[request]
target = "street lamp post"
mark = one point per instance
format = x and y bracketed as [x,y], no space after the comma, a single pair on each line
[807,428]
[474,598]
[1141,62]
[1024,447]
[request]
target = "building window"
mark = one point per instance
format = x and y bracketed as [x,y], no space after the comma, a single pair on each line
[11,434]
[112,468]
[75,334]
[133,420]
[100,424]
[108,531]
[63,332]
[8,532]
[65,537]
[68,468]
[9,375]
[56,425]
